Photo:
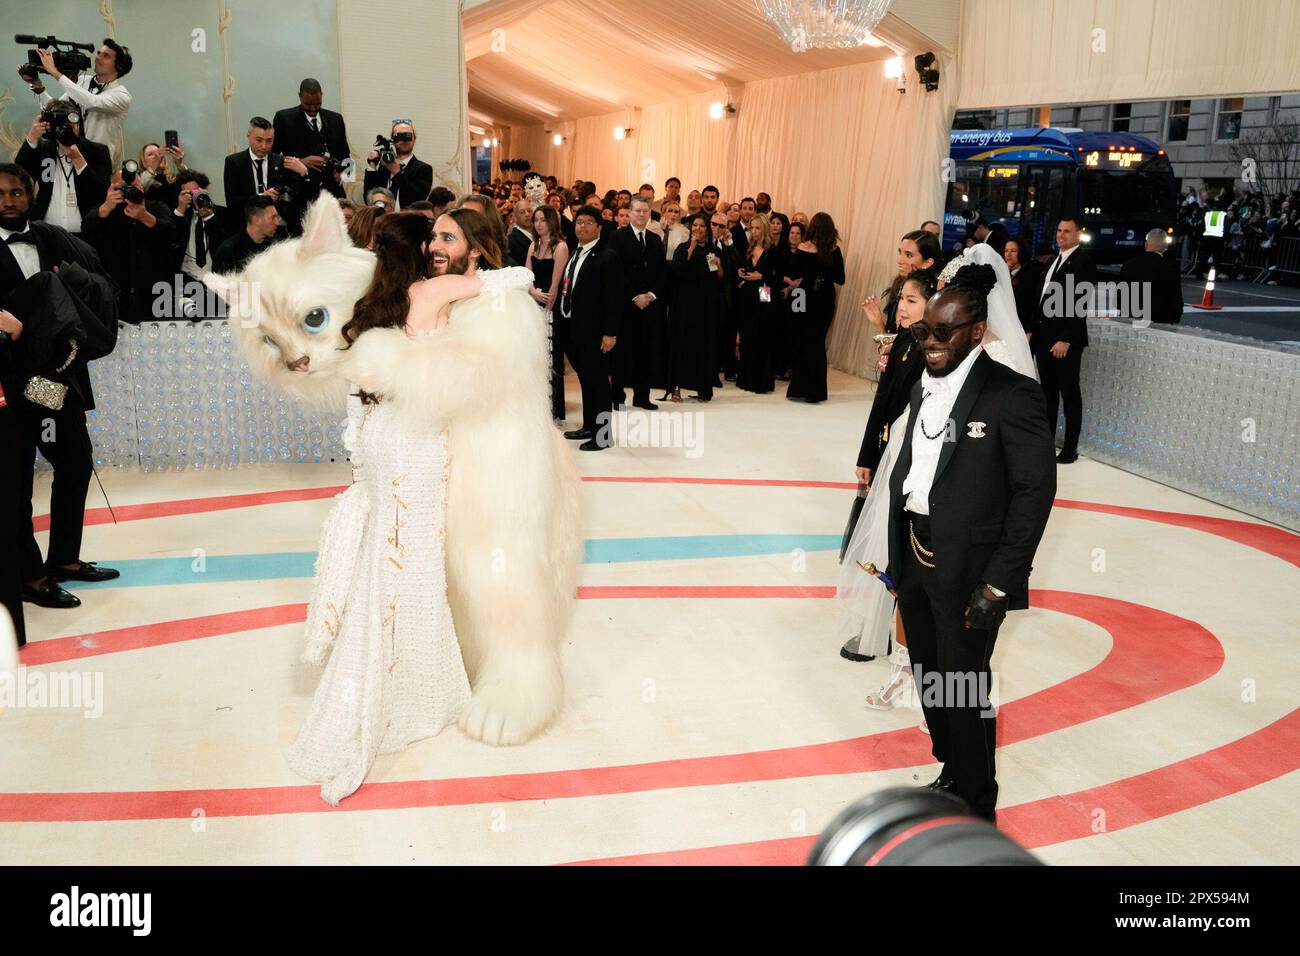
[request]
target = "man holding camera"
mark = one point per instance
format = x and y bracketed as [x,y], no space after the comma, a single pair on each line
[201,227]
[102,98]
[133,236]
[392,164]
[320,139]
[257,171]
[71,171]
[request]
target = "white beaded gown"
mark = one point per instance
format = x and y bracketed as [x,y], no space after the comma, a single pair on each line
[379,609]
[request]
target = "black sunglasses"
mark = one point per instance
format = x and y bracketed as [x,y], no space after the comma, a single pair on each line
[942,333]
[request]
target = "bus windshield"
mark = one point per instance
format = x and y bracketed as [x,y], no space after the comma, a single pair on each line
[1127,196]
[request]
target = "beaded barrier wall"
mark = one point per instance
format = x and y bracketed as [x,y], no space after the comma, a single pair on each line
[1214,416]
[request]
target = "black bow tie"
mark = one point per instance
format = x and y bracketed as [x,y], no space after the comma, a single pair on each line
[21,237]
[96,86]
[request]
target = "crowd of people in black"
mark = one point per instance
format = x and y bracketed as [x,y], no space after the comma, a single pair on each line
[1257,236]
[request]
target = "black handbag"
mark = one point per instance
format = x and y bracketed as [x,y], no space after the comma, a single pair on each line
[854,510]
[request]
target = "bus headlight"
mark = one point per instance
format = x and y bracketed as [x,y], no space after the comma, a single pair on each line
[1085,237]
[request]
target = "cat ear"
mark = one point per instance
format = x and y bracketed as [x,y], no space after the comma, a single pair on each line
[225,286]
[323,230]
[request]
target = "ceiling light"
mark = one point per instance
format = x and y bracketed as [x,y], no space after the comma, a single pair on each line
[715,110]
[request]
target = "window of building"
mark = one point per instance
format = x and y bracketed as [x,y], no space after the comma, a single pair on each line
[1120,114]
[1228,125]
[1180,112]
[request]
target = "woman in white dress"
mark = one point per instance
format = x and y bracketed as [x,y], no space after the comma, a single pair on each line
[866,604]
[379,617]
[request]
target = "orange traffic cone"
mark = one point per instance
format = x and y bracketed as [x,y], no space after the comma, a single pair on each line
[1207,297]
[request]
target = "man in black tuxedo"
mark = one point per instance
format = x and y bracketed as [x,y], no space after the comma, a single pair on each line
[1154,280]
[1061,332]
[71,180]
[644,263]
[587,315]
[970,496]
[201,227]
[54,295]
[134,241]
[520,238]
[406,177]
[733,257]
[261,226]
[256,171]
[320,139]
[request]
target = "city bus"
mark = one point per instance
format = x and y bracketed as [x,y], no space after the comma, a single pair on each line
[1121,186]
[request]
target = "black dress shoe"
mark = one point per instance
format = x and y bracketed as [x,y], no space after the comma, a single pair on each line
[581,434]
[50,594]
[86,571]
[648,406]
[939,783]
[1067,457]
[592,445]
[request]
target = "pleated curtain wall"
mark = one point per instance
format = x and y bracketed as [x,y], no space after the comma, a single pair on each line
[841,140]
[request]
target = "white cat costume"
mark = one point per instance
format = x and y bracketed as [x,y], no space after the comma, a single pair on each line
[445,572]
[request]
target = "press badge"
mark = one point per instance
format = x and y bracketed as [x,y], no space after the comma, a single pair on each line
[764,293]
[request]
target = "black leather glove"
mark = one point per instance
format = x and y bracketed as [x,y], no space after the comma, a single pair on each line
[984,611]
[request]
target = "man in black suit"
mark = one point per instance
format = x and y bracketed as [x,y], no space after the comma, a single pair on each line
[641,253]
[201,227]
[320,139]
[71,180]
[1061,332]
[261,225]
[134,240]
[520,238]
[725,360]
[588,314]
[59,314]
[1154,281]
[256,171]
[406,177]
[970,496]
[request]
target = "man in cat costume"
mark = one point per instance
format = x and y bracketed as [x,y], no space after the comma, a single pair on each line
[513,525]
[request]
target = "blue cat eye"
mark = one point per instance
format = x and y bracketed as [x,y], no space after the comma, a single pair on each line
[316,320]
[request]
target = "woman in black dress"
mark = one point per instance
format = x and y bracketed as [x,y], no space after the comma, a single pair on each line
[547,257]
[787,281]
[757,309]
[696,304]
[820,265]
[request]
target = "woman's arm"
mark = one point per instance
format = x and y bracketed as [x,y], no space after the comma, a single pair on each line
[431,298]
[561,255]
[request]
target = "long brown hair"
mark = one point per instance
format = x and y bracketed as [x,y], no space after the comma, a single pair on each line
[361,228]
[552,228]
[480,235]
[821,232]
[401,262]
[486,208]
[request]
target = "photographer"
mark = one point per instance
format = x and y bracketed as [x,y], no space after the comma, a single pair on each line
[319,138]
[103,99]
[156,180]
[201,227]
[57,312]
[72,171]
[261,223]
[256,171]
[133,236]
[392,164]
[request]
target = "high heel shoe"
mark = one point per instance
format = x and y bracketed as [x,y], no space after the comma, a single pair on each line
[899,683]
[675,396]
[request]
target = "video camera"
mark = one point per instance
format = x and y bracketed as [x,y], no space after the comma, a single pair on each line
[67,55]
[387,152]
[60,122]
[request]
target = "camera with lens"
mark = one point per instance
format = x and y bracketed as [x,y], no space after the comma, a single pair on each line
[69,59]
[60,123]
[131,190]
[277,179]
[387,152]
[202,200]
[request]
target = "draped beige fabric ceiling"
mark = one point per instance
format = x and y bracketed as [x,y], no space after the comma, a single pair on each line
[535,61]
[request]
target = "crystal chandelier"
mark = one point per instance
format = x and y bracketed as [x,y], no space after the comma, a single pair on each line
[837,24]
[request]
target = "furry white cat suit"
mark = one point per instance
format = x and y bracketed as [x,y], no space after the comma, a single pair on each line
[513,523]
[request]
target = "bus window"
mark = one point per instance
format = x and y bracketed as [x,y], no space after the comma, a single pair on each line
[1001,198]
[1117,196]
[1043,198]
[965,192]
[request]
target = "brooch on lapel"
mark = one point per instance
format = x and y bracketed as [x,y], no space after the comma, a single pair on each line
[976,429]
